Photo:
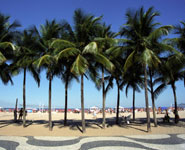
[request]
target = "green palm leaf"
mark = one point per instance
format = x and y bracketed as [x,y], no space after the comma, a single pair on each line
[126,89]
[68,52]
[46,59]
[164,30]
[79,66]
[114,52]
[59,44]
[5,45]
[2,58]
[104,61]
[150,58]
[110,40]
[91,48]
[129,61]
[35,74]
[159,90]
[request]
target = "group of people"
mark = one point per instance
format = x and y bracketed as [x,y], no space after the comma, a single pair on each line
[167,117]
[20,114]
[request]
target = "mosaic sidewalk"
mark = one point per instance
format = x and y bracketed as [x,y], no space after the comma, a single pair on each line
[137,142]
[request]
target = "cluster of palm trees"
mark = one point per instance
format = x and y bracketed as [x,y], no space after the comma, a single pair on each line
[138,56]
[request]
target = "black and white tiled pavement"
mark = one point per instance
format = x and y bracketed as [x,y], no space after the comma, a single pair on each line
[135,142]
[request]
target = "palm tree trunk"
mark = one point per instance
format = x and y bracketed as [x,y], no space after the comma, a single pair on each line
[133,104]
[65,113]
[118,101]
[24,98]
[175,102]
[103,94]
[49,106]
[15,111]
[82,105]
[146,100]
[153,100]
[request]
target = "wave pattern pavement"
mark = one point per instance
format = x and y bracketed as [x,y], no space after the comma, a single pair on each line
[135,142]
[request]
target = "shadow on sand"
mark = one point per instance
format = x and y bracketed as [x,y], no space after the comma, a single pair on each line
[93,124]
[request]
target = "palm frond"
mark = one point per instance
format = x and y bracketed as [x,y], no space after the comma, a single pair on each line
[79,66]
[46,59]
[5,74]
[5,45]
[150,58]
[149,90]
[68,52]
[158,80]
[91,48]
[60,44]
[156,34]
[110,85]
[126,89]
[129,61]
[104,61]
[35,74]
[159,90]
[2,58]
[114,52]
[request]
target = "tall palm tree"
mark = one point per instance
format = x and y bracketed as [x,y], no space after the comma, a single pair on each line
[81,49]
[140,30]
[74,48]
[173,70]
[65,74]
[117,75]
[180,40]
[133,79]
[67,78]
[155,79]
[49,31]
[25,54]
[104,40]
[7,36]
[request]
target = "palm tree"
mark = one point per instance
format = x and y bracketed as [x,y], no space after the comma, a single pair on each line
[7,35]
[74,48]
[49,32]
[133,79]
[104,40]
[66,62]
[155,79]
[81,49]
[25,55]
[140,31]
[67,78]
[173,70]
[117,75]
[180,41]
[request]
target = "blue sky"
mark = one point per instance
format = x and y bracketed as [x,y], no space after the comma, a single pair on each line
[30,12]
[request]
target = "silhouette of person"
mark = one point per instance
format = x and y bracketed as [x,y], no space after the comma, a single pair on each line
[21,113]
[166,117]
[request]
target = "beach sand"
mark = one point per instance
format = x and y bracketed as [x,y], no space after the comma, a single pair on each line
[37,125]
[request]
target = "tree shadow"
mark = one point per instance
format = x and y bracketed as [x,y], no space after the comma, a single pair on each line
[171,123]
[77,125]
[28,123]
[138,129]
[93,123]
[4,123]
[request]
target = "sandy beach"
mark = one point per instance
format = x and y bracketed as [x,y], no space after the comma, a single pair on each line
[37,125]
